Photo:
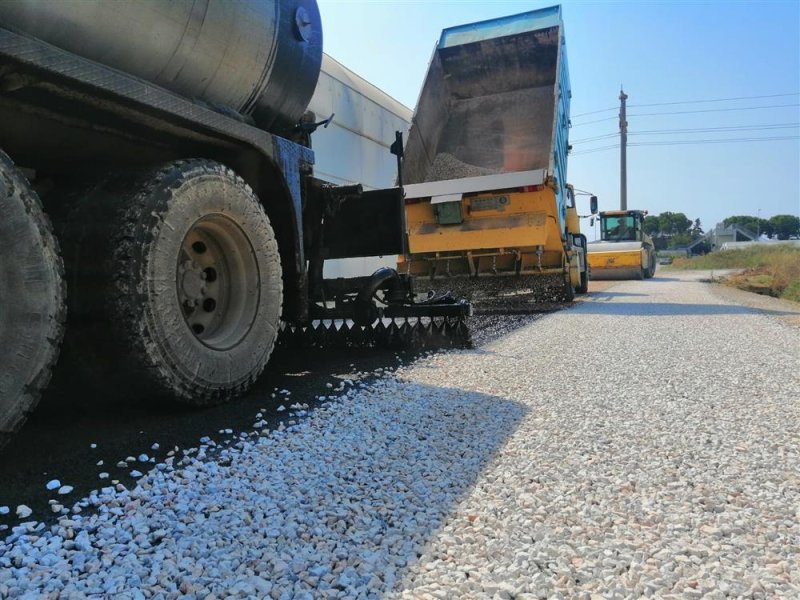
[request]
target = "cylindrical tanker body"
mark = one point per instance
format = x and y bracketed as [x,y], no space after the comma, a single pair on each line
[256,57]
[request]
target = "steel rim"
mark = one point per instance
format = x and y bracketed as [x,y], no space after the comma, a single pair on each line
[218,282]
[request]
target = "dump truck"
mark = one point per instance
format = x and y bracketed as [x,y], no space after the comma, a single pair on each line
[488,208]
[624,250]
[169,145]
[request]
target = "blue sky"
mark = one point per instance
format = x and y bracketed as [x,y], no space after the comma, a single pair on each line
[660,52]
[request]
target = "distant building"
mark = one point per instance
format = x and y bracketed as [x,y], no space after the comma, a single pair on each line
[760,243]
[355,147]
[701,245]
[722,234]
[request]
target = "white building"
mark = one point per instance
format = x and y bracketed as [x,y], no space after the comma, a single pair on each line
[354,148]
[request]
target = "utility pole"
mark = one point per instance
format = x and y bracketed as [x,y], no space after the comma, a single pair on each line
[623,150]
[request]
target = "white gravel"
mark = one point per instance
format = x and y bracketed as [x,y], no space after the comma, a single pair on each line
[23,511]
[644,443]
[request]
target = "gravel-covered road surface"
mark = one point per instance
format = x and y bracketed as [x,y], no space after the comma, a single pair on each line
[645,442]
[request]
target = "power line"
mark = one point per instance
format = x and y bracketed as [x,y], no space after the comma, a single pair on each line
[595,138]
[686,112]
[725,141]
[766,127]
[594,112]
[707,110]
[688,142]
[595,121]
[716,100]
[602,110]
[591,150]
[720,129]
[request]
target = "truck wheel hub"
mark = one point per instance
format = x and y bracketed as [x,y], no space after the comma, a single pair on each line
[192,283]
[218,282]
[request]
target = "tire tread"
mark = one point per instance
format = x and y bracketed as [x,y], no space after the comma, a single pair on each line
[17,409]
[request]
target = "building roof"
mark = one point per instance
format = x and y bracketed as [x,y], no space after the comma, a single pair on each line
[721,229]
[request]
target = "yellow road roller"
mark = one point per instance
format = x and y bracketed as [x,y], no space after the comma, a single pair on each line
[624,250]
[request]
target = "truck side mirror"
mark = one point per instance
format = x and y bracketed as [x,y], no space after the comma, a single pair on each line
[593,205]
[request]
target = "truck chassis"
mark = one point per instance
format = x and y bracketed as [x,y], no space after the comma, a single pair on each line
[193,241]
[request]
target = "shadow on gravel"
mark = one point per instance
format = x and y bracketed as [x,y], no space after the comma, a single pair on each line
[383,482]
[56,441]
[649,309]
[371,483]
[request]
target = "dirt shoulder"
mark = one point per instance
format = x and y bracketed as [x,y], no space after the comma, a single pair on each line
[784,310]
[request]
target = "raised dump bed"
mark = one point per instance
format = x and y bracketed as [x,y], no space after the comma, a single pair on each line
[485,167]
[495,100]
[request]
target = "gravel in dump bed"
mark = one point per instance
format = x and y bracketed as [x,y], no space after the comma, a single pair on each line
[446,166]
[644,443]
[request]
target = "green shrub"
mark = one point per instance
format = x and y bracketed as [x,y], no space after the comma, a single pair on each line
[792,291]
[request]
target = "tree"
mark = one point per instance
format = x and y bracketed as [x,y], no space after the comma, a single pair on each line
[670,223]
[785,226]
[680,239]
[650,225]
[670,230]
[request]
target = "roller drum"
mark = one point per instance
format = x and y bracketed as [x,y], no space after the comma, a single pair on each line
[257,57]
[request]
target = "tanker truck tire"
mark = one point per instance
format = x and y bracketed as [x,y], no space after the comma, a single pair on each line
[177,280]
[32,299]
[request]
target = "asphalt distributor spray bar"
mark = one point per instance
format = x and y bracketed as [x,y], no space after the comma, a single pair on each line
[382,309]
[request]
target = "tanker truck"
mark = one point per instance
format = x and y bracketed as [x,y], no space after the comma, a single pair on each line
[488,208]
[169,145]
